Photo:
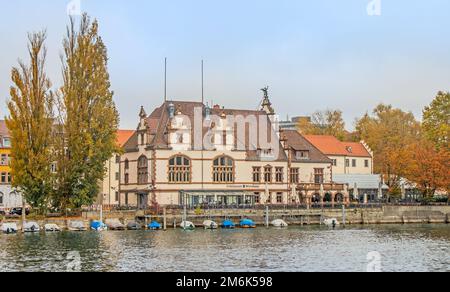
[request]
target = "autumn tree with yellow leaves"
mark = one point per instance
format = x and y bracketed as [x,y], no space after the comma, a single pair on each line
[88,116]
[30,124]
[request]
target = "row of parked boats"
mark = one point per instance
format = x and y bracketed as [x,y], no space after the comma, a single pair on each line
[33,227]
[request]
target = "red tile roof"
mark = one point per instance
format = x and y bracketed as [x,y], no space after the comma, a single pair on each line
[332,146]
[123,136]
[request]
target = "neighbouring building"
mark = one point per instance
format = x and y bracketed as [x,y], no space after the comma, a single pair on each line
[346,157]
[188,152]
[9,197]
[109,192]
[292,124]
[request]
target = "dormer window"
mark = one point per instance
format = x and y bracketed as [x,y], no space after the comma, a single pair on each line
[349,149]
[302,155]
[265,153]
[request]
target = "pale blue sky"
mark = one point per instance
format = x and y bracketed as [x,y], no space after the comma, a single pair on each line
[313,54]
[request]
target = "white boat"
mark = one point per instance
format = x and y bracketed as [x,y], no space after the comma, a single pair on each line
[31,227]
[279,223]
[9,228]
[115,224]
[333,222]
[52,228]
[209,224]
[77,226]
[187,225]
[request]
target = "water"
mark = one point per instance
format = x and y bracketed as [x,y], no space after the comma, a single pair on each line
[400,247]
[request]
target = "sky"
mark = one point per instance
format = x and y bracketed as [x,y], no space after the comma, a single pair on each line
[314,55]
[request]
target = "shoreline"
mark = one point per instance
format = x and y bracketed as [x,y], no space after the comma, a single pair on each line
[294,217]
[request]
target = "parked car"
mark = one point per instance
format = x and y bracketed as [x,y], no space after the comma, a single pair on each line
[18,211]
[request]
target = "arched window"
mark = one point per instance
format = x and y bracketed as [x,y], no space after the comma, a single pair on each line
[223,170]
[179,169]
[142,170]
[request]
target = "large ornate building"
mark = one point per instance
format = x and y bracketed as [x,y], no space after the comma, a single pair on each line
[187,152]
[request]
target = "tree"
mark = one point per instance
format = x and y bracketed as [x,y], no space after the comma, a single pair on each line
[89,118]
[389,132]
[30,125]
[329,122]
[429,168]
[436,120]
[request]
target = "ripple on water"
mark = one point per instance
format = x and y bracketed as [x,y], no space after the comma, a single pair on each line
[402,248]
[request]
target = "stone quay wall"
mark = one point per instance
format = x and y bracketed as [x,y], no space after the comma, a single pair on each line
[380,215]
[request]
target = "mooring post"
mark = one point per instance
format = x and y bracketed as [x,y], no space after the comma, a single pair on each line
[343,215]
[165,218]
[24,214]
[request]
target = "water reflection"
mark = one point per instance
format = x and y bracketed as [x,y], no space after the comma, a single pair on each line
[402,248]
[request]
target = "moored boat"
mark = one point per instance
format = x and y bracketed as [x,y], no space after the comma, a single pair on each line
[98,226]
[187,225]
[209,224]
[52,228]
[154,226]
[115,224]
[247,223]
[31,227]
[9,228]
[333,222]
[77,226]
[279,223]
[228,224]
[133,225]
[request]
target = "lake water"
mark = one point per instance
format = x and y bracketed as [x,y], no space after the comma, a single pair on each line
[313,248]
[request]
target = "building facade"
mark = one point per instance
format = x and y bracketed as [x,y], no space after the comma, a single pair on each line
[109,187]
[346,157]
[9,197]
[189,153]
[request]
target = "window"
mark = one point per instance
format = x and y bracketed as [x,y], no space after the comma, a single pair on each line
[9,178]
[3,177]
[142,170]
[142,139]
[279,198]
[1,198]
[279,174]
[117,176]
[334,162]
[4,159]
[6,142]
[257,174]
[127,178]
[223,170]
[117,196]
[53,168]
[126,199]
[295,176]
[347,162]
[257,198]
[366,163]
[268,174]
[117,159]
[127,164]
[302,155]
[318,175]
[354,163]
[179,169]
